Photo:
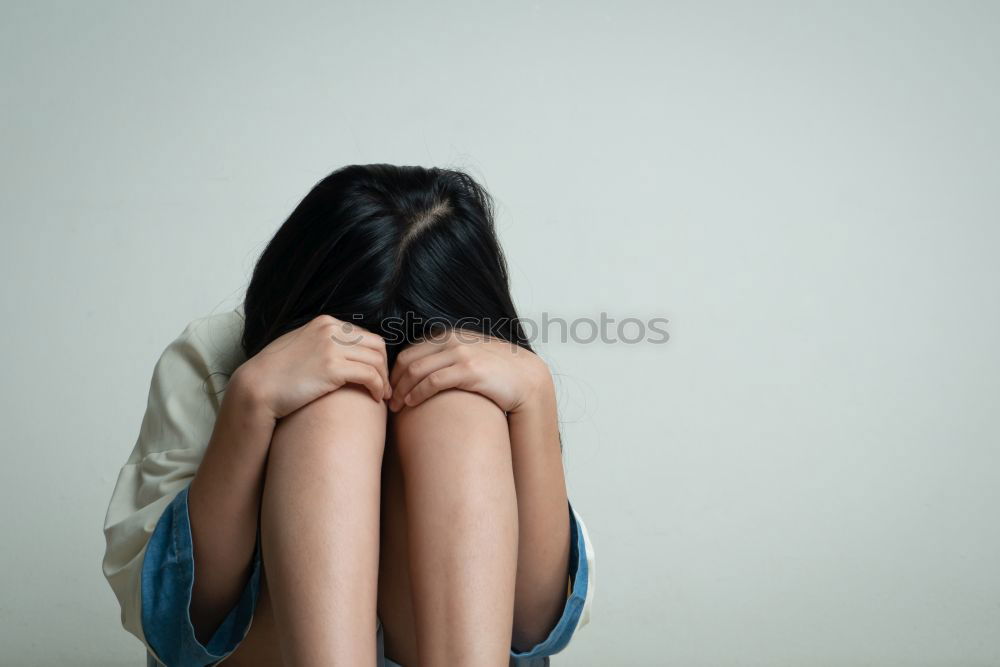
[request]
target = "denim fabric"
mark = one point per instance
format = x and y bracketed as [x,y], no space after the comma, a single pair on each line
[168,578]
[560,635]
[167,581]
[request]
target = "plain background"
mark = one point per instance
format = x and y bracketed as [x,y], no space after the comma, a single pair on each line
[806,474]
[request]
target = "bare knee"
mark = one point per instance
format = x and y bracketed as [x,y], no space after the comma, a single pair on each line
[456,442]
[349,412]
[343,429]
[327,452]
[451,416]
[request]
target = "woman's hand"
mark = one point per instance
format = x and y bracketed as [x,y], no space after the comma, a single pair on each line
[507,374]
[313,360]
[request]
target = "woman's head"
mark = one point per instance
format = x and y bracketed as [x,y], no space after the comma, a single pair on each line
[393,249]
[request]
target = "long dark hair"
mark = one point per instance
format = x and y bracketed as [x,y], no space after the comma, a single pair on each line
[378,243]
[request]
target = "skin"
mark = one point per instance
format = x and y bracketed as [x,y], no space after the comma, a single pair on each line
[453,452]
[224,499]
[519,383]
[320,528]
[449,516]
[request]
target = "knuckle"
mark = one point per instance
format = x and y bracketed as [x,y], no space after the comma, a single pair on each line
[464,336]
[324,319]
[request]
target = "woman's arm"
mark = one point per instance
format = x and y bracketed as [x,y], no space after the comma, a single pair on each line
[224,504]
[224,499]
[201,572]
[193,481]
[543,529]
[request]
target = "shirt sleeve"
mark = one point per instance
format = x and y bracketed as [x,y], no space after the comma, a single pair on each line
[185,392]
[167,582]
[576,612]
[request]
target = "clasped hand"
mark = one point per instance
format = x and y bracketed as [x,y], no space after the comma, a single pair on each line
[326,353]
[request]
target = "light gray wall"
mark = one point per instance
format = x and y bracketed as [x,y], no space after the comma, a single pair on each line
[806,474]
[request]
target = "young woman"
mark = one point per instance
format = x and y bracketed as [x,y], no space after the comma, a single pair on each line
[360,464]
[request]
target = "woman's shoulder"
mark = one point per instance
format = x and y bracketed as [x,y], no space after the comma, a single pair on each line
[215,328]
[212,340]
[200,359]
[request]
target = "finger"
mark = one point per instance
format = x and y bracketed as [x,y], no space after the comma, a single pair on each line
[416,371]
[450,377]
[411,354]
[371,357]
[375,342]
[352,334]
[363,374]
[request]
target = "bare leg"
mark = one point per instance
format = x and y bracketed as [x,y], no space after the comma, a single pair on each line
[462,529]
[320,528]
[395,601]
